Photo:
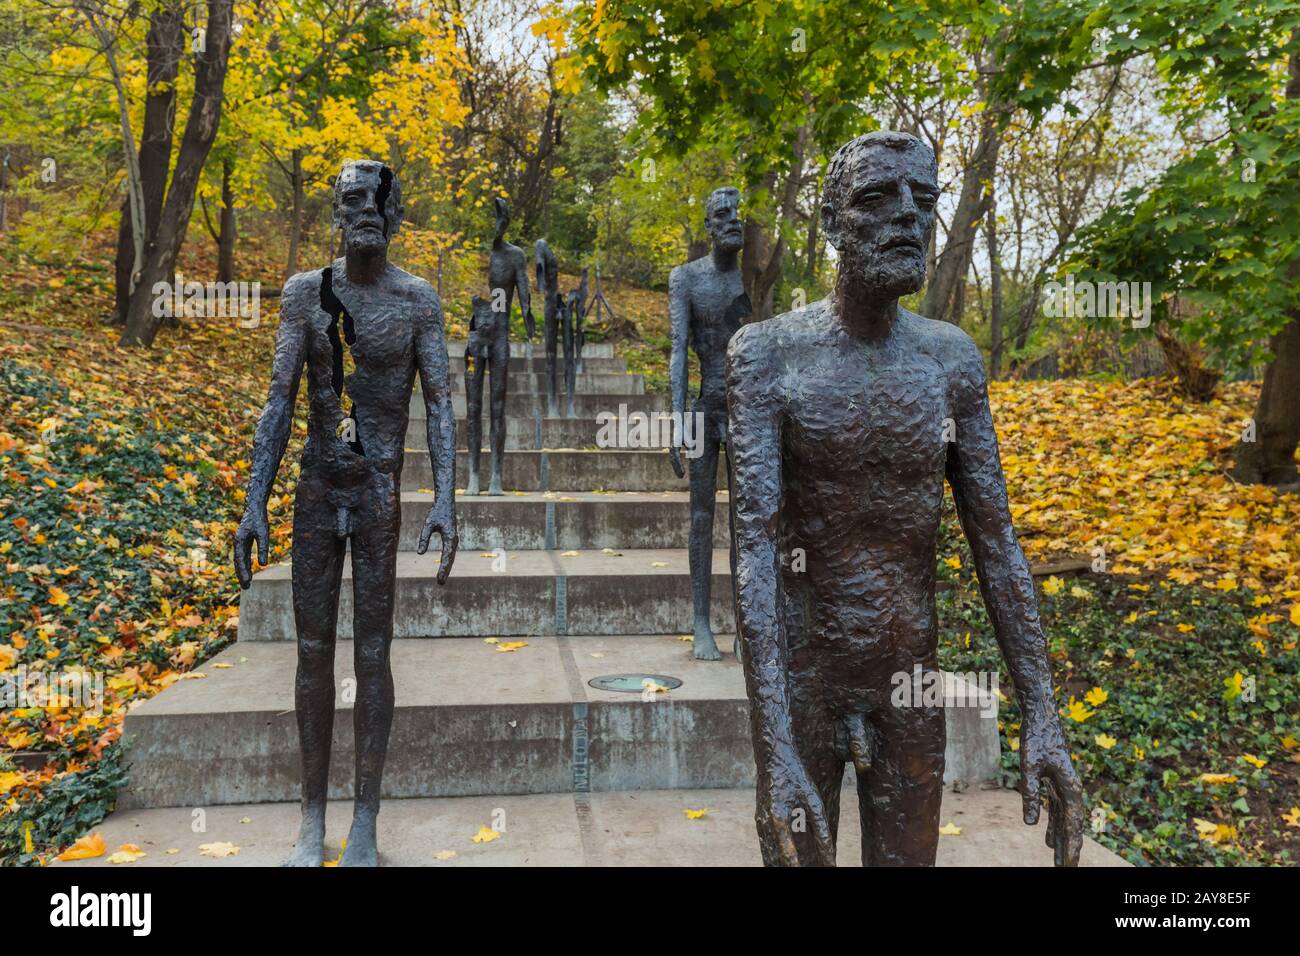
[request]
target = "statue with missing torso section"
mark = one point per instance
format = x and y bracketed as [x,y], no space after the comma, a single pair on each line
[349,489]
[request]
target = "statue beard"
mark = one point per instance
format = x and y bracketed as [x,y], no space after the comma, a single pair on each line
[887,273]
[366,241]
[729,242]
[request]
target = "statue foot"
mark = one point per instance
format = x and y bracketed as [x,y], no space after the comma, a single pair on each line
[310,848]
[471,486]
[494,486]
[362,848]
[706,648]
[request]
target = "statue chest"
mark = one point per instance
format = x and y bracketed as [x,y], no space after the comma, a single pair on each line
[889,424]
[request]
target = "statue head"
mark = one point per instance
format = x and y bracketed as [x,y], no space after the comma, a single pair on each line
[502,209]
[878,210]
[722,219]
[367,205]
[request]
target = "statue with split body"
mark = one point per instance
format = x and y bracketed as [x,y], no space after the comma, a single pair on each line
[846,417]
[487,351]
[349,489]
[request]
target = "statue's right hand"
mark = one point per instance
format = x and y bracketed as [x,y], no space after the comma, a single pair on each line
[252,528]
[675,459]
[788,803]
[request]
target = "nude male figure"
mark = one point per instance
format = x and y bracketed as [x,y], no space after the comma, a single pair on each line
[706,305]
[840,453]
[350,484]
[488,350]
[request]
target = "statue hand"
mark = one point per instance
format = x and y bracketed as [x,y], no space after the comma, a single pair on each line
[675,459]
[1045,765]
[251,528]
[442,519]
[788,803]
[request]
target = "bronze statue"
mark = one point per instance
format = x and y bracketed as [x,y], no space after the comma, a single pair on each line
[846,416]
[706,305]
[350,484]
[556,325]
[488,349]
[578,316]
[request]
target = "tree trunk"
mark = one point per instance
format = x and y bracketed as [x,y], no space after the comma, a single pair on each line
[1195,379]
[200,131]
[995,290]
[164,45]
[295,216]
[228,230]
[941,298]
[1270,458]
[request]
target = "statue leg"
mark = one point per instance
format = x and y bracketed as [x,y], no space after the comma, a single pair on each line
[497,434]
[731,537]
[704,491]
[815,739]
[374,584]
[552,383]
[474,366]
[570,360]
[900,793]
[317,571]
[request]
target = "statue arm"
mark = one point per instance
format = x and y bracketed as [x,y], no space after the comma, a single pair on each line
[679,317]
[276,421]
[974,471]
[440,425]
[755,451]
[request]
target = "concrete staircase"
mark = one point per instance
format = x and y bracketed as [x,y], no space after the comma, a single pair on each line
[583,558]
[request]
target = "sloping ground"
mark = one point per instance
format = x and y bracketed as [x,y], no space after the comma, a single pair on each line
[122,483]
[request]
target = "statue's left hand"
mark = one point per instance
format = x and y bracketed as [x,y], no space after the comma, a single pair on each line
[1045,766]
[442,519]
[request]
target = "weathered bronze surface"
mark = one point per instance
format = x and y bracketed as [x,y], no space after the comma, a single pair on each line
[706,305]
[845,419]
[487,351]
[557,327]
[349,487]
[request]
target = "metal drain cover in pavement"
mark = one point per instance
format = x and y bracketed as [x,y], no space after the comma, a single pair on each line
[632,683]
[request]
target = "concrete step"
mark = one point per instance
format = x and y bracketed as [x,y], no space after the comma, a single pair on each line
[531,432]
[644,591]
[561,470]
[535,383]
[530,405]
[472,720]
[581,520]
[614,828]
[520,362]
[592,350]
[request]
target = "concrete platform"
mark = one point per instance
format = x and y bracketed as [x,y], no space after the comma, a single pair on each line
[645,591]
[519,362]
[566,520]
[518,349]
[529,432]
[521,382]
[587,405]
[564,469]
[641,828]
[471,719]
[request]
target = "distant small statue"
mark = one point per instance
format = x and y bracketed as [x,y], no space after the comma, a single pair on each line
[577,316]
[351,480]
[556,325]
[488,350]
